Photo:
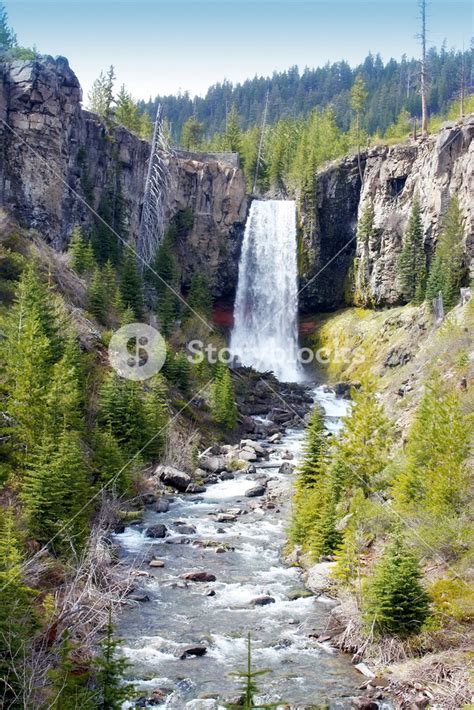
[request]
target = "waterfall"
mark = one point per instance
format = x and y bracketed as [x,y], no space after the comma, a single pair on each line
[265,334]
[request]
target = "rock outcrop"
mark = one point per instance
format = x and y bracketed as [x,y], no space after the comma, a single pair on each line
[335,266]
[56,159]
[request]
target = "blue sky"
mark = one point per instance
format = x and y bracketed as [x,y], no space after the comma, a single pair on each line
[158,46]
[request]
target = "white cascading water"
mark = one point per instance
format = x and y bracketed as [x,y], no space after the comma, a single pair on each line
[265,333]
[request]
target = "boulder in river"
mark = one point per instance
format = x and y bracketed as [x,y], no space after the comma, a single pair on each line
[162,505]
[156,563]
[258,490]
[195,488]
[263,600]
[173,477]
[193,651]
[183,529]
[214,464]
[227,476]
[200,576]
[286,468]
[157,531]
[139,597]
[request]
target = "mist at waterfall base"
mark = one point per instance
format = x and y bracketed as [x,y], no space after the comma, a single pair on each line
[265,333]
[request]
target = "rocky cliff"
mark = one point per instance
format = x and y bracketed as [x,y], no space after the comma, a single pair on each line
[335,266]
[56,159]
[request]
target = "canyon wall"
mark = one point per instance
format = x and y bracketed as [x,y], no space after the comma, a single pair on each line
[335,266]
[58,160]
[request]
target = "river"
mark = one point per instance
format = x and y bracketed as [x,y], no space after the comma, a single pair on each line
[218,615]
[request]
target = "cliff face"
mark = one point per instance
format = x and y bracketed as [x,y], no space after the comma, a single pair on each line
[57,157]
[433,169]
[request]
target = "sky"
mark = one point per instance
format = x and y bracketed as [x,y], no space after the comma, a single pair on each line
[167,46]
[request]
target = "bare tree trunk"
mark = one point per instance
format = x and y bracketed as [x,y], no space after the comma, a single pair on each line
[463,86]
[424,109]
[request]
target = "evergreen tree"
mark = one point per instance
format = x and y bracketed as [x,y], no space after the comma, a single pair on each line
[233,136]
[448,269]
[435,471]
[131,285]
[224,408]
[157,417]
[306,497]
[27,360]
[165,280]
[55,491]
[110,462]
[348,554]
[69,682]
[96,301]
[192,134]
[200,297]
[412,263]
[110,669]
[7,36]
[396,603]
[64,396]
[77,249]
[359,96]
[101,96]
[126,111]
[362,451]
[17,617]
[122,410]
[250,689]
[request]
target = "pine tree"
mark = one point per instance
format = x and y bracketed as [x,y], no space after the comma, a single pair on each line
[396,602]
[96,301]
[55,491]
[77,250]
[224,408]
[412,263]
[366,232]
[101,96]
[348,554]
[233,136]
[359,96]
[157,417]
[200,296]
[165,280]
[306,496]
[448,269]
[17,616]
[192,134]
[27,362]
[69,683]
[435,471]
[126,111]
[131,285]
[110,669]
[7,36]
[110,462]
[362,451]
[122,410]
[64,395]
[250,689]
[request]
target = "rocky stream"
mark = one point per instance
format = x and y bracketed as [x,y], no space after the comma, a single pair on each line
[214,569]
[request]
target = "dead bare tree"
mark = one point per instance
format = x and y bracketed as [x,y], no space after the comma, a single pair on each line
[424,77]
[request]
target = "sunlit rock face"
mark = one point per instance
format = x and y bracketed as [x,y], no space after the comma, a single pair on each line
[56,157]
[432,169]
